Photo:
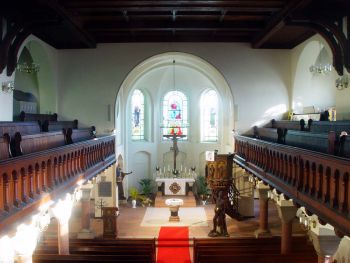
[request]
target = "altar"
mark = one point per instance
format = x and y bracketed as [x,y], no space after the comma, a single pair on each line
[175,186]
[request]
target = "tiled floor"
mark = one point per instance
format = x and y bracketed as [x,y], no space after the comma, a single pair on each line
[129,221]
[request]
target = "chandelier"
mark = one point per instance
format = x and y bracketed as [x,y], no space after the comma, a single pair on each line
[28,67]
[322,64]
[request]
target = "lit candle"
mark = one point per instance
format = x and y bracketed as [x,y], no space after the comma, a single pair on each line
[168,167]
[181,167]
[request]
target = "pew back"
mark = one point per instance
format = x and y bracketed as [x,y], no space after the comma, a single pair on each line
[37,117]
[23,127]
[327,126]
[79,135]
[42,141]
[59,125]
[5,147]
[308,140]
[133,250]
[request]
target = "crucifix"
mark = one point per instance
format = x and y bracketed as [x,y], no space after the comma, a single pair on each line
[175,138]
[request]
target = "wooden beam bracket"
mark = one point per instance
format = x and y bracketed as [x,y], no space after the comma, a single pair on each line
[334,37]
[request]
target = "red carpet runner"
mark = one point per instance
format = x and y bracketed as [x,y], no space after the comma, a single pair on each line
[173,245]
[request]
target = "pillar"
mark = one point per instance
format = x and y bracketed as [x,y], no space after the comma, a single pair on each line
[24,243]
[325,243]
[85,231]
[62,212]
[286,211]
[263,210]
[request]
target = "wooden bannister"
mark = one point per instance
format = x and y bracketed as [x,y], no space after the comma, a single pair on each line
[320,182]
[30,180]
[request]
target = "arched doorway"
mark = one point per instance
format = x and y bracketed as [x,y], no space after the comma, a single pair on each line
[154,78]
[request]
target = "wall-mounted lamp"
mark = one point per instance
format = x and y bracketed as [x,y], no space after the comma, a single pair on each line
[8,86]
[342,82]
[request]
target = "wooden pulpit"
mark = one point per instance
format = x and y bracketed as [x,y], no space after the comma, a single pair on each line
[219,171]
[219,178]
[109,215]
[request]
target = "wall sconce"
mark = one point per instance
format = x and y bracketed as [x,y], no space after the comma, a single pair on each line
[342,82]
[8,86]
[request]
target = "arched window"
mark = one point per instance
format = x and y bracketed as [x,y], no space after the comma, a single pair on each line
[138,116]
[209,116]
[175,114]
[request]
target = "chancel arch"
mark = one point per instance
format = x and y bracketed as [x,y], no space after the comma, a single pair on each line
[189,77]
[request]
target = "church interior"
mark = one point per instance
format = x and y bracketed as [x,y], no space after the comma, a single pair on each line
[175,131]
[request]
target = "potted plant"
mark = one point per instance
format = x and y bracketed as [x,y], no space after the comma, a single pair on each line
[134,193]
[147,186]
[202,188]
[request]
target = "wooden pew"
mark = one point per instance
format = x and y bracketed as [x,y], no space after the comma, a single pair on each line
[37,117]
[128,258]
[78,135]
[255,258]
[327,126]
[59,125]
[251,250]
[319,142]
[5,151]
[308,140]
[133,249]
[344,147]
[23,127]
[42,141]
[284,124]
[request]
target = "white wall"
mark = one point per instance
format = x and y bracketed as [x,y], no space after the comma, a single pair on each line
[90,78]
[318,90]
[46,57]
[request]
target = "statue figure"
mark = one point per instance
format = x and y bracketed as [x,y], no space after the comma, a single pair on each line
[219,220]
[120,177]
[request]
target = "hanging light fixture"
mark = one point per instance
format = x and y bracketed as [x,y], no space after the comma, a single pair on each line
[174,82]
[322,64]
[28,68]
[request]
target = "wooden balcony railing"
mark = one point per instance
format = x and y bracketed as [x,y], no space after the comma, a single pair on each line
[320,182]
[30,180]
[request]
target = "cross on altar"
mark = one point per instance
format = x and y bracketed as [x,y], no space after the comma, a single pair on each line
[175,138]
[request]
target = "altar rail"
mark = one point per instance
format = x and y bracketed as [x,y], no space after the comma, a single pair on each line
[28,181]
[320,182]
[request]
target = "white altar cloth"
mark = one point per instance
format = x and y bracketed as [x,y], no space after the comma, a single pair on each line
[175,186]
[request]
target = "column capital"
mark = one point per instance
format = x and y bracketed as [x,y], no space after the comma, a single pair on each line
[286,210]
[85,192]
[325,243]
[263,191]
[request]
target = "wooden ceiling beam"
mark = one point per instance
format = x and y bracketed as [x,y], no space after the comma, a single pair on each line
[78,4]
[335,38]
[277,22]
[244,25]
[170,38]
[258,10]
[71,23]
[123,29]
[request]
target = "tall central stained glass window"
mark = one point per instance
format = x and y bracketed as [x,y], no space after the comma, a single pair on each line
[138,116]
[175,114]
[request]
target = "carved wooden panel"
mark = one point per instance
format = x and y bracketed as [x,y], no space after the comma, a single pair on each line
[109,215]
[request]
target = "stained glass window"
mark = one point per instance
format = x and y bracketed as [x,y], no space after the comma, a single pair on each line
[175,114]
[138,115]
[209,116]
